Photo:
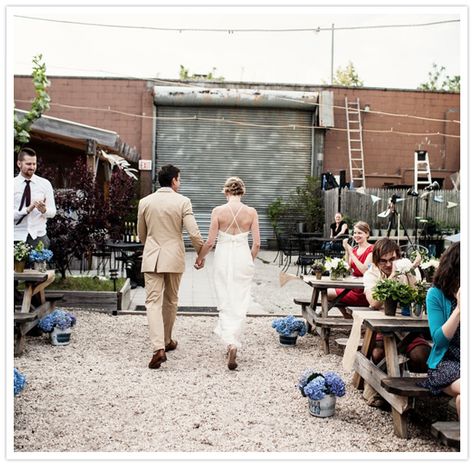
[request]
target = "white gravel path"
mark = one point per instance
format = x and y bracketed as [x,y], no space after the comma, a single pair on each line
[97,394]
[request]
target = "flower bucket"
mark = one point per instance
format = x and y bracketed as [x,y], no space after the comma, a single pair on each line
[390,307]
[417,311]
[60,337]
[289,340]
[324,407]
[40,266]
[318,274]
[19,266]
[406,310]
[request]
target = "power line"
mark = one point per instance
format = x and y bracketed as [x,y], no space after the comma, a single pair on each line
[233,30]
[244,123]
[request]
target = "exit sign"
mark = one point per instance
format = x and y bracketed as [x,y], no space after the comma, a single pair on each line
[144,165]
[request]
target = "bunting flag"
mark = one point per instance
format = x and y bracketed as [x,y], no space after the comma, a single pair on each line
[452,205]
[285,277]
[400,200]
[438,198]
[384,214]
[361,190]
[425,194]
[375,199]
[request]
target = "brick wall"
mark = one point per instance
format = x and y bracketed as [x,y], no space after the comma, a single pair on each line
[388,156]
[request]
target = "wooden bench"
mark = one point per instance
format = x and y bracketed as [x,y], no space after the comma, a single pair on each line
[448,432]
[406,386]
[342,343]
[326,324]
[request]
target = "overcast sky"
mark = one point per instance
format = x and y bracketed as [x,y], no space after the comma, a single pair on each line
[398,57]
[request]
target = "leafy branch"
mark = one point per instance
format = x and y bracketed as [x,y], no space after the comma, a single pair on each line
[39,105]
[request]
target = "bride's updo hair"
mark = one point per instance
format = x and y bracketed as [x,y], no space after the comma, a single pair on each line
[234,186]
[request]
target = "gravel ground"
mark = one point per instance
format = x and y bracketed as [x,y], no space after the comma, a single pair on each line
[97,394]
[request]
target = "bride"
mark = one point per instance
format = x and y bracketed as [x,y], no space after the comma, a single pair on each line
[233,263]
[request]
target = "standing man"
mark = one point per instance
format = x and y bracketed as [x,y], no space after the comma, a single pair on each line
[33,201]
[161,217]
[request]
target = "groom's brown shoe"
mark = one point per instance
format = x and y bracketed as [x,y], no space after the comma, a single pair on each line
[158,358]
[171,345]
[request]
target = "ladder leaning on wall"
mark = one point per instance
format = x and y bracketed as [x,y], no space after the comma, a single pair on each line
[422,172]
[354,144]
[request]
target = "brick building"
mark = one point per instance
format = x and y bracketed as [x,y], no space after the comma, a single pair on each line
[239,128]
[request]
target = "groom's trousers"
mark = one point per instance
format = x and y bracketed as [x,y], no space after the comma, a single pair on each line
[161,306]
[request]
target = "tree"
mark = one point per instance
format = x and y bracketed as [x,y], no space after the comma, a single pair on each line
[439,80]
[39,106]
[185,75]
[347,77]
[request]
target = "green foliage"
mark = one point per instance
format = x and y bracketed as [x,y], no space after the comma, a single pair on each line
[275,211]
[347,77]
[439,80]
[185,75]
[86,283]
[39,106]
[21,251]
[308,203]
[395,290]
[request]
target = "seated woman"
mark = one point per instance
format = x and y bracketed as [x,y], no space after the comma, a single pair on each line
[359,259]
[338,229]
[443,306]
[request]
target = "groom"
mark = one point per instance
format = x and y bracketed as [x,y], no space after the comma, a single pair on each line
[161,217]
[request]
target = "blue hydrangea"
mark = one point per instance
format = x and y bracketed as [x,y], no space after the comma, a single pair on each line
[287,325]
[335,384]
[316,388]
[316,385]
[19,381]
[59,318]
[44,255]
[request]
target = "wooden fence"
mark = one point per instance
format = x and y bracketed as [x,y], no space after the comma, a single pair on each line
[361,207]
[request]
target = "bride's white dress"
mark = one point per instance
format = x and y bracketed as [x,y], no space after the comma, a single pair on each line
[233,273]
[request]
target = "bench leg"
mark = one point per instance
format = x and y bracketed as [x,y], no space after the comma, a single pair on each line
[20,342]
[400,423]
[325,332]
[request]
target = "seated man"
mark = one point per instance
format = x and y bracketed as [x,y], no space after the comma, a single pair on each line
[384,255]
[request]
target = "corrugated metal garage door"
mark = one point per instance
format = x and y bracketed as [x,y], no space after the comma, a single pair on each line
[272,161]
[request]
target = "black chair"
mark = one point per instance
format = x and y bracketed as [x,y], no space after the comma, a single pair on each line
[104,256]
[309,249]
[288,248]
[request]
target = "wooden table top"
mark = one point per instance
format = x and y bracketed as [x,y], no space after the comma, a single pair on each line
[326,282]
[31,275]
[396,323]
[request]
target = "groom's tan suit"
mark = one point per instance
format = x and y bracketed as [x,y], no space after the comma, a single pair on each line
[161,217]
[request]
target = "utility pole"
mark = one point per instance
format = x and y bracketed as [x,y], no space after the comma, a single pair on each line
[332,53]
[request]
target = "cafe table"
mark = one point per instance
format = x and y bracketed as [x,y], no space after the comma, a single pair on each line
[397,331]
[35,283]
[320,290]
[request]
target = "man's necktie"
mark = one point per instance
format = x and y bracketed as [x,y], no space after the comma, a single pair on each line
[25,199]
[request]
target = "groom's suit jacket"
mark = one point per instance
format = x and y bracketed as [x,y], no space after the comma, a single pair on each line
[161,218]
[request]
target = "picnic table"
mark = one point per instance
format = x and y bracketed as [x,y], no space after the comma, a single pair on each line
[322,319]
[398,391]
[31,310]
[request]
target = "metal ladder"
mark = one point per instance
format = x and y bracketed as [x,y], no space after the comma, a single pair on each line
[422,173]
[354,144]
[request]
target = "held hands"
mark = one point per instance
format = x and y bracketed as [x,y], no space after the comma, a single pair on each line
[40,205]
[199,263]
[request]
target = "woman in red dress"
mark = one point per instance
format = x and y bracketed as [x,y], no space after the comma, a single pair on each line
[359,259]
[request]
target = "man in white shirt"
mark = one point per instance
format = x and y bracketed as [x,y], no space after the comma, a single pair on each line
[33,201]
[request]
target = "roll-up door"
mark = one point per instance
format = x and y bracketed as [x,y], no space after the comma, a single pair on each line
[209,144]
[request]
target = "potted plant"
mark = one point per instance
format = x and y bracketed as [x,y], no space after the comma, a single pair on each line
[321,389]
[19,381]
[58,323]
[420,300]
[275,212]
[289,328]
[40,257]
[428,267]
[307,204]
[391,292]
[21,252]
[337,267]
[318,268]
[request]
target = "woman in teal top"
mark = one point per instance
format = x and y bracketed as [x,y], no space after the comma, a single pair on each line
[443,307]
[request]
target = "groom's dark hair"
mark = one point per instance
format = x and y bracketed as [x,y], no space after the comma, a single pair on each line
[166,175]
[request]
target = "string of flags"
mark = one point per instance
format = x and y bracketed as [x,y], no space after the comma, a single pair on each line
[385,213]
